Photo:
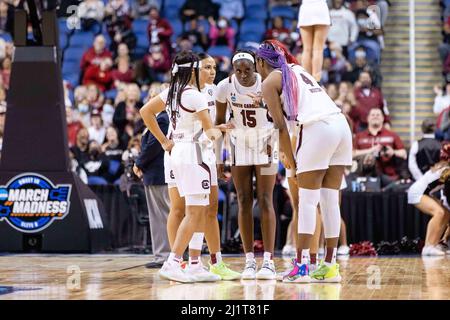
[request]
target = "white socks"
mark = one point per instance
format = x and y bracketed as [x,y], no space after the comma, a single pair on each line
[196,242]
[249,256]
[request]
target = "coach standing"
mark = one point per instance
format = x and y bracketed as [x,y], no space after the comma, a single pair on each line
[150,166]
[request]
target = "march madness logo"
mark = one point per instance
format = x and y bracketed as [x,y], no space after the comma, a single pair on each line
[30,202]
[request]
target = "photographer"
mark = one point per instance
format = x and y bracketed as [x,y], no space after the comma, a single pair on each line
[150,165]
[385,145]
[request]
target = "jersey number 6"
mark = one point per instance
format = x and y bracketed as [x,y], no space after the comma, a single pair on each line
[248,118]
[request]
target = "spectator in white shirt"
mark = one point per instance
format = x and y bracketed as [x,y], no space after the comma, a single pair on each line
[231,9]
[91,13]
[441,101]
[97,131]
[344,29]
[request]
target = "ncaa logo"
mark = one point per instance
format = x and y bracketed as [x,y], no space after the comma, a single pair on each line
[30,202]
[205,184]
[210,92]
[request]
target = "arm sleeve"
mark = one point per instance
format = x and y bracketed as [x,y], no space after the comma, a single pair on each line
[221,91]
[412,161]
[418,188]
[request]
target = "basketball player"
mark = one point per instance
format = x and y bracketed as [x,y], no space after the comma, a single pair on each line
[250,155]
[314,22]
[189,117]
[207,75]
[323,150]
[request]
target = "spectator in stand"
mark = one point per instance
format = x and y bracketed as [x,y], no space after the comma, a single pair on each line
[142,8]
[100,75]
[444,48]
[108,112]
[80,149]
[277,31]
[158,63]
[184,44]
[122,73]
[221,34]
[6,72]
[112,147]
[118,23]
[96,130]
[344,29]
[368,35]
[231,9]
[193,9]
[122,53]
[441,101]
[359,65]
[425,152]
[196,35]
[345,94]
[127,112]
[95,54]
[97,164]
[159,30]
[73,126]
[6,17]
[91,13]
[338,62]
[385,145]
[367,97]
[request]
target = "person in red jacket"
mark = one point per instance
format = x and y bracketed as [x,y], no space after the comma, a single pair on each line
[159,30]
[367,97]
[100,75]
[73,126]
[122,72]
[95,54]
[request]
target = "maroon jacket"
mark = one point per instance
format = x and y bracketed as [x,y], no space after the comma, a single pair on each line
[103,80]
[365,103]
[90,56]
[164,35]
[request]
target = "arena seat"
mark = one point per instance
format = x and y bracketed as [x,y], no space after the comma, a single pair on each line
[82,39]
[220,51]
[284,12]
[95,180]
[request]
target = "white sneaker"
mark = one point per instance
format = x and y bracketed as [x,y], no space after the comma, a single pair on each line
[249,270]
[432,251]
[267,271]
[199,274]
[173,271]
[288,250]
[343,251]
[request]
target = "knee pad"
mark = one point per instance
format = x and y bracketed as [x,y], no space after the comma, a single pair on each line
[196,242]
[331,213]
[307,205]
[197,200]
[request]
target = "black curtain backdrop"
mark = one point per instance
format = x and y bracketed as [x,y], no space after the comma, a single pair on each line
[373,216]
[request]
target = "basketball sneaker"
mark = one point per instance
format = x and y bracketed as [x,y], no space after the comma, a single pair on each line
[326,274]
[432,251]
[281,275]
[172,271]
[221,269]
[249,270]
[267,271]
[298,274]
[289,250]
[343,251]
[199,274]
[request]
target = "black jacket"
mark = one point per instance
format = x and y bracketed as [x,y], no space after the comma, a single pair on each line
[151,158]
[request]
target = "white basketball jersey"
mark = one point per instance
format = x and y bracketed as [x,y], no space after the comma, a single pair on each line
[186,126]
[314,103]
[210,93]
[245,114]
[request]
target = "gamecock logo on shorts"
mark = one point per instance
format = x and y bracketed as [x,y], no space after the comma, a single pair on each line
[31,202]
[172,176]
[205,184]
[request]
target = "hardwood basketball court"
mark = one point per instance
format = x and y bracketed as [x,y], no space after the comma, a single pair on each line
[108,277]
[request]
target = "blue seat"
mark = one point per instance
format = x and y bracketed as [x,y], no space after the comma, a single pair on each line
[248,45]
[173,3]
[220,51]
[252,30]
[6,36]
[256,12]
[70,66]
[95,180]
[171,13]
[140,25]
[177,27]
[82,39]
[73,54]
[249,3]
[72,78]
[63,40]
[284,12]
[63,28]
[111,94]
[142,40]
[114,166]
